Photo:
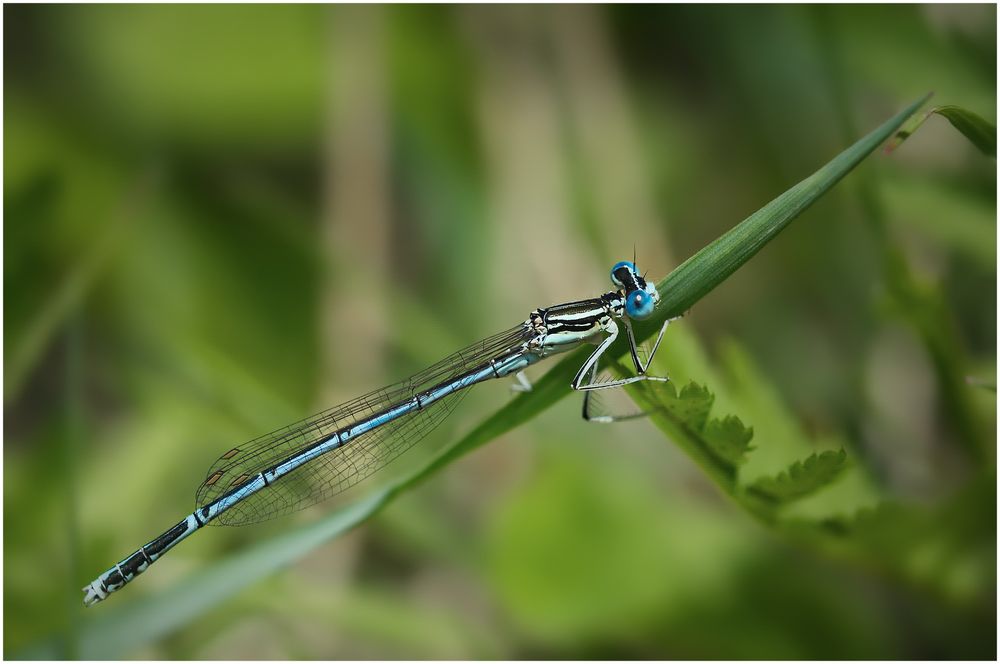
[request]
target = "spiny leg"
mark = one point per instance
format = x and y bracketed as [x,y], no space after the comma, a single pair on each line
[591,362]
[591,405]
[633,346]
[586,378]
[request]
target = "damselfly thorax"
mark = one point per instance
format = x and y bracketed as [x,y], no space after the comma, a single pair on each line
[563,327]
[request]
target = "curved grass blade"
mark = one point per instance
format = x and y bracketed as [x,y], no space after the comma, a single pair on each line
[680,290]
[981,132]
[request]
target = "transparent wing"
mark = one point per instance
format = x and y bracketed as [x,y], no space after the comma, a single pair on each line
[613,404]
[644,351]
[343,467]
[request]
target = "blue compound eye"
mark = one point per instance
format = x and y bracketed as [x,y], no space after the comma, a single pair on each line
[639,305]
[628,265]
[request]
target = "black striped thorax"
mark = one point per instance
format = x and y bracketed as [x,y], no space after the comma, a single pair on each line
[582,318]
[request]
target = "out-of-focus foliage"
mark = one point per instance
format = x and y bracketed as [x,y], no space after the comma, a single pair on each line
[218,219]
[119,630]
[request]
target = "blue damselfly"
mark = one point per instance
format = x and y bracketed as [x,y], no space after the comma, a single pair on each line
[309,461]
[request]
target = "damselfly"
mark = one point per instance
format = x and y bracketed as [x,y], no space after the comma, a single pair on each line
[311,460]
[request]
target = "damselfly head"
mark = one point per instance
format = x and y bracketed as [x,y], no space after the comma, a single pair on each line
[641,302]
[640,298]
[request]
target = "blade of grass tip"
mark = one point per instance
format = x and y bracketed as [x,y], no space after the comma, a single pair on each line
[680,290]
[701,273]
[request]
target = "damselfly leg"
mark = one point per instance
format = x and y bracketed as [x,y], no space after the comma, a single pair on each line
[522,383]
[589,380]
[609,405]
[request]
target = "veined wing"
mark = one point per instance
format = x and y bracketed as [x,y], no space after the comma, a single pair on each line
[359,457]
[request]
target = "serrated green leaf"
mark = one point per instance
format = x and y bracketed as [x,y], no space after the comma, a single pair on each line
[692,405]
[719,446]
[801,479]
[729,439]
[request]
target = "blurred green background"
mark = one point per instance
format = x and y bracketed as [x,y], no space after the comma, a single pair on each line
[220,219]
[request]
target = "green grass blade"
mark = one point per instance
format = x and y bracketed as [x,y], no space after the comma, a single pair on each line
[980,132]
[698,275]
[121,631]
